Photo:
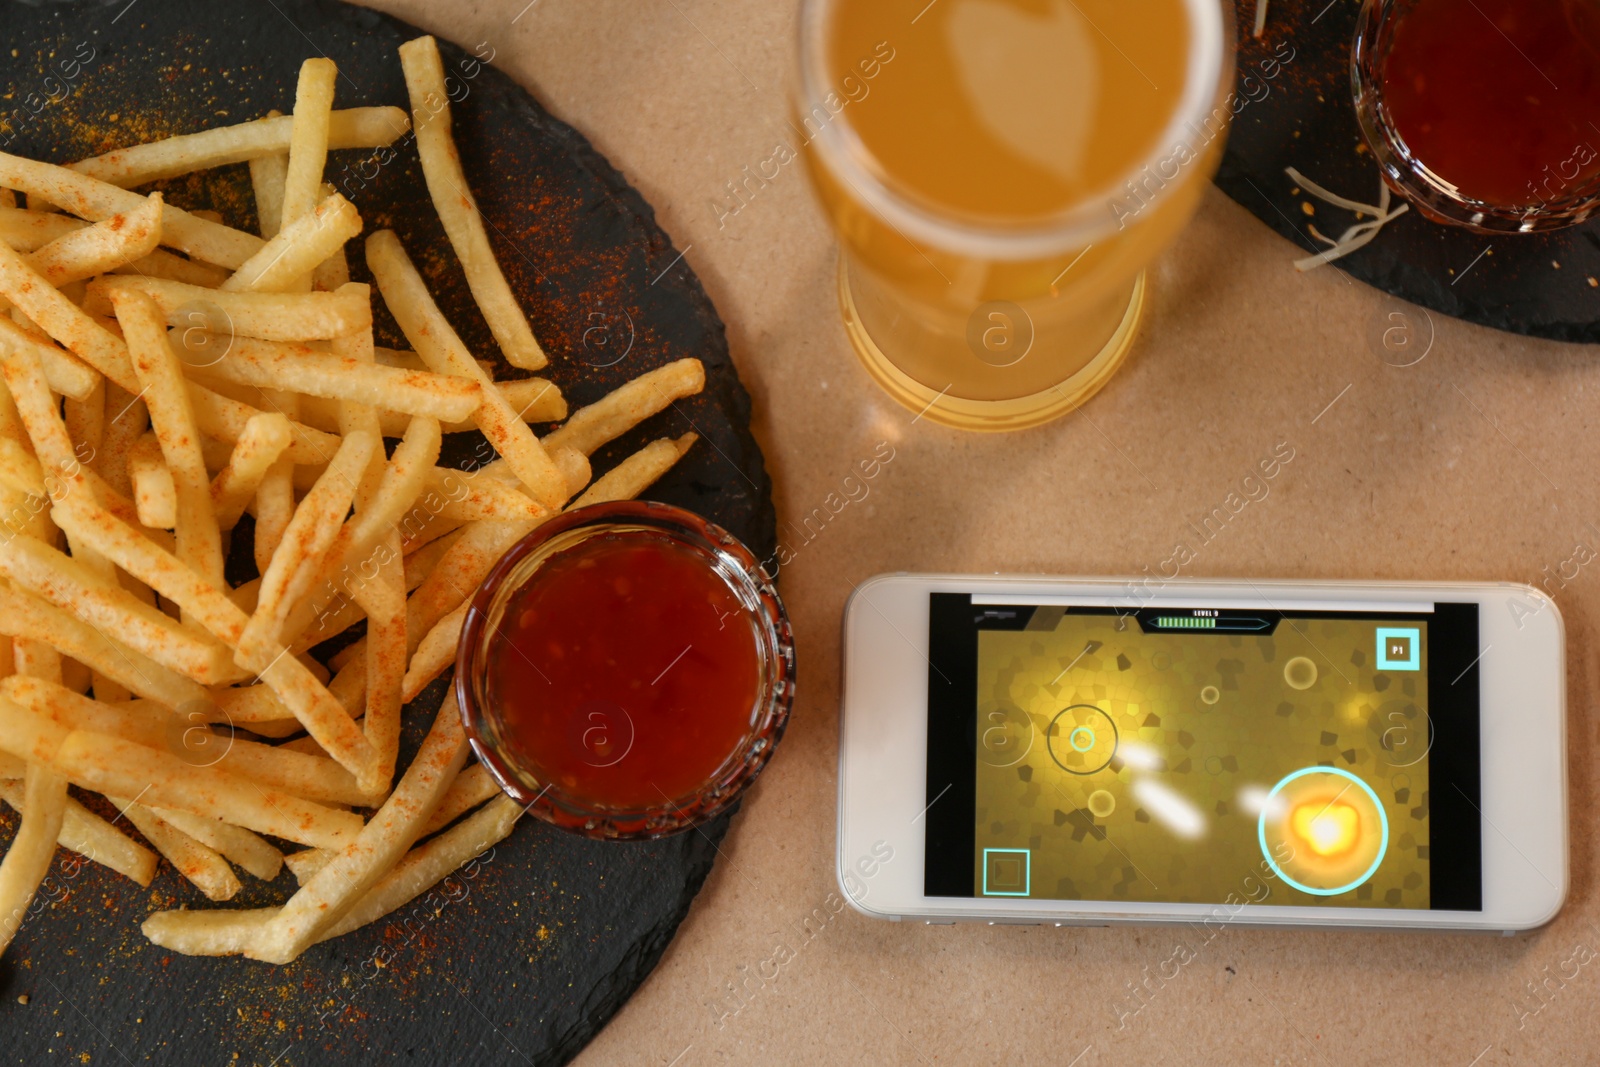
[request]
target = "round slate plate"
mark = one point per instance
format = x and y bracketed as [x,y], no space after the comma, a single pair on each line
[523,956]
[1297,112]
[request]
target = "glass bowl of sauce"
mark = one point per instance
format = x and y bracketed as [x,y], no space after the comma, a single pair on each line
[626,670]
[1480,112]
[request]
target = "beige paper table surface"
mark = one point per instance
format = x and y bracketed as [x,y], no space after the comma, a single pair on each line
[1480,462]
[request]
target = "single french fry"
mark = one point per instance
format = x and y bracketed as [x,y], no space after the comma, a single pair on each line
[267,176]
[433,339]
[63,320]
[90,836]
[625,407]
[172,417]
[99,601]
[27,861]
[217,932]
[385,602]
[126,420]
[420,530]
[103,246]
[380,845]
[247,705]
[435,652]
[357,127]
[306,863]
[472,787]
[277,365]
[193,859]
[394,357]
[154,493]
[265,438]
[308,137]
[311,777]
[458,211]
[319,412]
[306,540]
[160,264]
[233,842]
[36,659]
[91,199]
[468,496]
[276,728]
[117,767]
[27,616]
[86,418]
[332,618]
[331,273]
[19,468]
[27,231]
[274,510]
[41,418]
[574,467]
[298,248]
[423,561]
[349,686]
[638,472]
[103,573]
[143,722]
[270,316]
[533,399]
[67,374]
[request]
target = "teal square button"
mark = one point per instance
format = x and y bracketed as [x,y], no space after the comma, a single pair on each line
[1005,872]
[1399,648]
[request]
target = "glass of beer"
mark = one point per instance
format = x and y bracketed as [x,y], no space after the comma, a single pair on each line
[1000,173]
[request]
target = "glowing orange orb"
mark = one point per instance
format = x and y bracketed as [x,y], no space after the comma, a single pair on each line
[1328,829]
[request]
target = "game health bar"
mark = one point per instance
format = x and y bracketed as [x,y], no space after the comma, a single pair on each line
[1221,622]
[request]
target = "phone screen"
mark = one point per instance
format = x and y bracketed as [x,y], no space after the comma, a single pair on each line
[1204,755]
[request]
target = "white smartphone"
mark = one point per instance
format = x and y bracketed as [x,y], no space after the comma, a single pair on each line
[1093,751]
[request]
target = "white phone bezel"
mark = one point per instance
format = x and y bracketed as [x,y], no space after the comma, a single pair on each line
[883,749]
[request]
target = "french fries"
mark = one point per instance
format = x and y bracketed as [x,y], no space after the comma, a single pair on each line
[424,325]
[91,199]
[360,127]
[269,316]
[452,198]
[276,366]
[89,835]
[210,375]
[298,248]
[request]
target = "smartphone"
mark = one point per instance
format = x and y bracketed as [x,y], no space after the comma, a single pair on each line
[1089,751]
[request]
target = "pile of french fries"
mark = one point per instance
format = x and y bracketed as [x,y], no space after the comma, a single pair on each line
[164,374]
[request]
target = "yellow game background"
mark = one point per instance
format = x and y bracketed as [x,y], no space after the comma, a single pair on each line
[1258,730]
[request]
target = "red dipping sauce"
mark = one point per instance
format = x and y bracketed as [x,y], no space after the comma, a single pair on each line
[626,675]
[626,670]
[1499,98]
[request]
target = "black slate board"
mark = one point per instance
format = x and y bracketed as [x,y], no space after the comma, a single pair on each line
[1299,113]
[537,945]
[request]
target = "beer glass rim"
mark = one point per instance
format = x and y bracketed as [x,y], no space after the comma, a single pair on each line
[841,151]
